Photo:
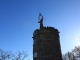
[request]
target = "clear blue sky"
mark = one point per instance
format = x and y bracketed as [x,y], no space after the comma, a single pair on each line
[19,19]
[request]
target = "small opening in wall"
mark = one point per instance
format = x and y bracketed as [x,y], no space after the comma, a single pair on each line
[41,49]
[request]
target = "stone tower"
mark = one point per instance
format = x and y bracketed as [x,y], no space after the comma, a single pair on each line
[46,44]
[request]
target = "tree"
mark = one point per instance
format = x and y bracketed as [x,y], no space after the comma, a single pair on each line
[73,55]
[64,57]
[8,55]
[68,56]
[76,51]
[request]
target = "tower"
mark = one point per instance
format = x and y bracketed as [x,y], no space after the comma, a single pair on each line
[46,44]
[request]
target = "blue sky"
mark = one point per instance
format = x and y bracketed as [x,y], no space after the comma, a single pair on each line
[19,19]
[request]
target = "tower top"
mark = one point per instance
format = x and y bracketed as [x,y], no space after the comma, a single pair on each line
[40,20]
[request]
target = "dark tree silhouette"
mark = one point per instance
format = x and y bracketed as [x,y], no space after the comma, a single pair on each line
[73,55]
[9,55]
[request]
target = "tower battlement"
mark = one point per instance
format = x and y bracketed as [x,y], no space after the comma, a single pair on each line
[45,30]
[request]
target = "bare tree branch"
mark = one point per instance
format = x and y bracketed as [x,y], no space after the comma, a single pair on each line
[8,55]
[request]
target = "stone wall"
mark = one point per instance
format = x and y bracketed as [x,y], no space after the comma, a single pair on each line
[46,44]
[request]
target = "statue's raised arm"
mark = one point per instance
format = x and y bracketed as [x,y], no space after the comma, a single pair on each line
[40,20]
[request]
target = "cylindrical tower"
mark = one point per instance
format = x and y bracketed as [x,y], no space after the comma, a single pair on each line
[46,44]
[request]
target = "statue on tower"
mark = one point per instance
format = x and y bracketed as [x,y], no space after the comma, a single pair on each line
[40,18]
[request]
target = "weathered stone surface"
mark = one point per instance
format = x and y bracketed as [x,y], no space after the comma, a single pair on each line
[46,44]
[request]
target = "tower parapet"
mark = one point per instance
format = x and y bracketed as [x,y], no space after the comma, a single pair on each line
[45,30]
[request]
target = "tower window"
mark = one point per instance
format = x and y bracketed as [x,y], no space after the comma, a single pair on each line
[35,54]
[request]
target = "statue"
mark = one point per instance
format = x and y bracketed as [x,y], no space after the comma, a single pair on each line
[40,20]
